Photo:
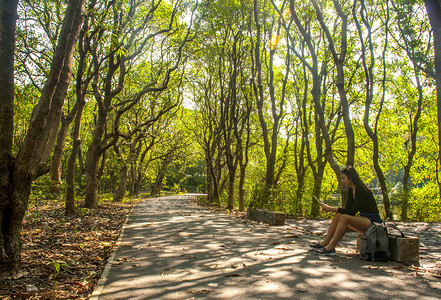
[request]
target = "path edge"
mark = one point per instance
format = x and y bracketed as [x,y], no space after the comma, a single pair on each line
[98,289]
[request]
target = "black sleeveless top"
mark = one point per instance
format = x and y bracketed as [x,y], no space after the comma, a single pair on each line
[364,202]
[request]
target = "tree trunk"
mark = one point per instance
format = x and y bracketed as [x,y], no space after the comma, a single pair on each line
[44,123]
[243,157]
[132,180]
[339,59]
[122,187]
[433,8]
[299,193]
[260,99]
[70,209]
[229,112]
[213,190]
[80,90]
[243,162]
[8,17]
[71,170]
[210,185]
[318,179]
[70,177]
[56,188]
[231,179]
[316,95]
[92,162]
[242,189]
[413,149]
[369,87]
[138,184]
[156,187]
[299,160]
[91,197]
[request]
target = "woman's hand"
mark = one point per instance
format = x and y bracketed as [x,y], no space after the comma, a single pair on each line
[327,208]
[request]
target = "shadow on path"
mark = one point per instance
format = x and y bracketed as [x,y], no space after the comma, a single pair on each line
[173,249]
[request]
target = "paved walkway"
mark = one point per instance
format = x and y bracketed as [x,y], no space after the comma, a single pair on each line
[172,249]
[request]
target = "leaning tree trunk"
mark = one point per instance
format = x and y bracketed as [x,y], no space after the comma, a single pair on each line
[44,123]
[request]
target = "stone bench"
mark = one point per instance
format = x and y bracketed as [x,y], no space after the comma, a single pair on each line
[404,249]
[266,216]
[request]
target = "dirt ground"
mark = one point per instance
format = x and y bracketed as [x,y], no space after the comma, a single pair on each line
[63,258]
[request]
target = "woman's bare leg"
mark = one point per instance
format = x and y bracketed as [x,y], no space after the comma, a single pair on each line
[355,229]
[344,221]
[331,230]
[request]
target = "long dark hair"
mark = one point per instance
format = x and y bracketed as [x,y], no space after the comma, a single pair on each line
[353,176]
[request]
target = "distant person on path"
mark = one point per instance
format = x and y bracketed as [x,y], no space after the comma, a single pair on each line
[360,200]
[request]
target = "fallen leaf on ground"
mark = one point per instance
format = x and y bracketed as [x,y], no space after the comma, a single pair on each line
[293,236]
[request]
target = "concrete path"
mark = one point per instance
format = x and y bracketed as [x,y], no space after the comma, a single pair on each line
[173,249]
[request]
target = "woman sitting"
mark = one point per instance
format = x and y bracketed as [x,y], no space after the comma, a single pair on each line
[360,200]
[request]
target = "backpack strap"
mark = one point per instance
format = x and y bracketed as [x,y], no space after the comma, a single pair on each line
[394,226]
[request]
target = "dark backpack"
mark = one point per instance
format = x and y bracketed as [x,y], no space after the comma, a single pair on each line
[375,243]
